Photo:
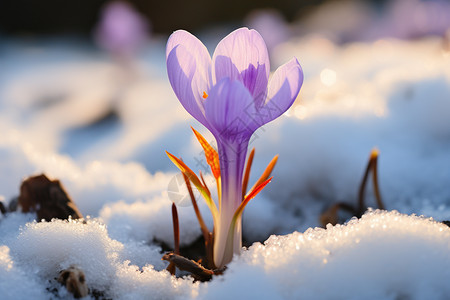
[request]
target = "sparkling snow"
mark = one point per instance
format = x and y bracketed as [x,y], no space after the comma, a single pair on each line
[68,111]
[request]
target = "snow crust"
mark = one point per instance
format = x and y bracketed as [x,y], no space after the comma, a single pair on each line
[73,114]
[383,255]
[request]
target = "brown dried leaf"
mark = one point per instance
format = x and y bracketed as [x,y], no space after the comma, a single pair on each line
[48,198]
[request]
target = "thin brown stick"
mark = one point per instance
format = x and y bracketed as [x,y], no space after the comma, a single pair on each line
[203,227]
[176,237]
[176,229]
[197,270]
[248,168]
[210,251]
[375,179]
[207,235]
[362,188]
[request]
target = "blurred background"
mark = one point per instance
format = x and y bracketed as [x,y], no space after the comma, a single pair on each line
[84,97]
[49,17]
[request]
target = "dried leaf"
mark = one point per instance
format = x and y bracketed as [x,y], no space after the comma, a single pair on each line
[48,198]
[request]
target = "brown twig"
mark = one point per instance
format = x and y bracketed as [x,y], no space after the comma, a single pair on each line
[176,229]
[207,235]
[176,237]
[375,180]
[203,226]
[331,215]
[209,243]
[198,271]
[362,188]
[371,166]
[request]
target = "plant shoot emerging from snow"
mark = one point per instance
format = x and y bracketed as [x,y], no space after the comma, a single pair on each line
[230,94]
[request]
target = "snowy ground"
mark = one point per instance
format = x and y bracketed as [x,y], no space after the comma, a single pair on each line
[72,113]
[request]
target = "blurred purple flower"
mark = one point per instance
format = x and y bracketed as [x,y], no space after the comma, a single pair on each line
[121,29]
[231,95]
[406,19]
[271,25]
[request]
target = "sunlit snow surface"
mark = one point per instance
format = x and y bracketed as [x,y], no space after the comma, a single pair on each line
[385,255]
[70,112]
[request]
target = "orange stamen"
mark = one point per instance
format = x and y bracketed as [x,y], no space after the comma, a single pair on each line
[205,95]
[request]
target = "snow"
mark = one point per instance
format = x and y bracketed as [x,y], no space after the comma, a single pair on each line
[11,276]
[125,221]
[68,111]
[399,105]
[384,255]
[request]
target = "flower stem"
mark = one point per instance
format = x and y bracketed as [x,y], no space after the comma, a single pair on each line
[232,160]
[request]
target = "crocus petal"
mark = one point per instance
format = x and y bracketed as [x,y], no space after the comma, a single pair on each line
[283,89]
[195,47]
[181,68]
[227,109]
[242,55]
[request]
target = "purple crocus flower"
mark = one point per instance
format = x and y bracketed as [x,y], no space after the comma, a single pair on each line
[230,95]
[121,29]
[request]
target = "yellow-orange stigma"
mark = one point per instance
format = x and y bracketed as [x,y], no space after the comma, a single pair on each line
[205,95]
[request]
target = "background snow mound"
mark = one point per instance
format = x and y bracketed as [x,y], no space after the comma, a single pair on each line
[384,255]
[152,220]
[90,185]
[389,94]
